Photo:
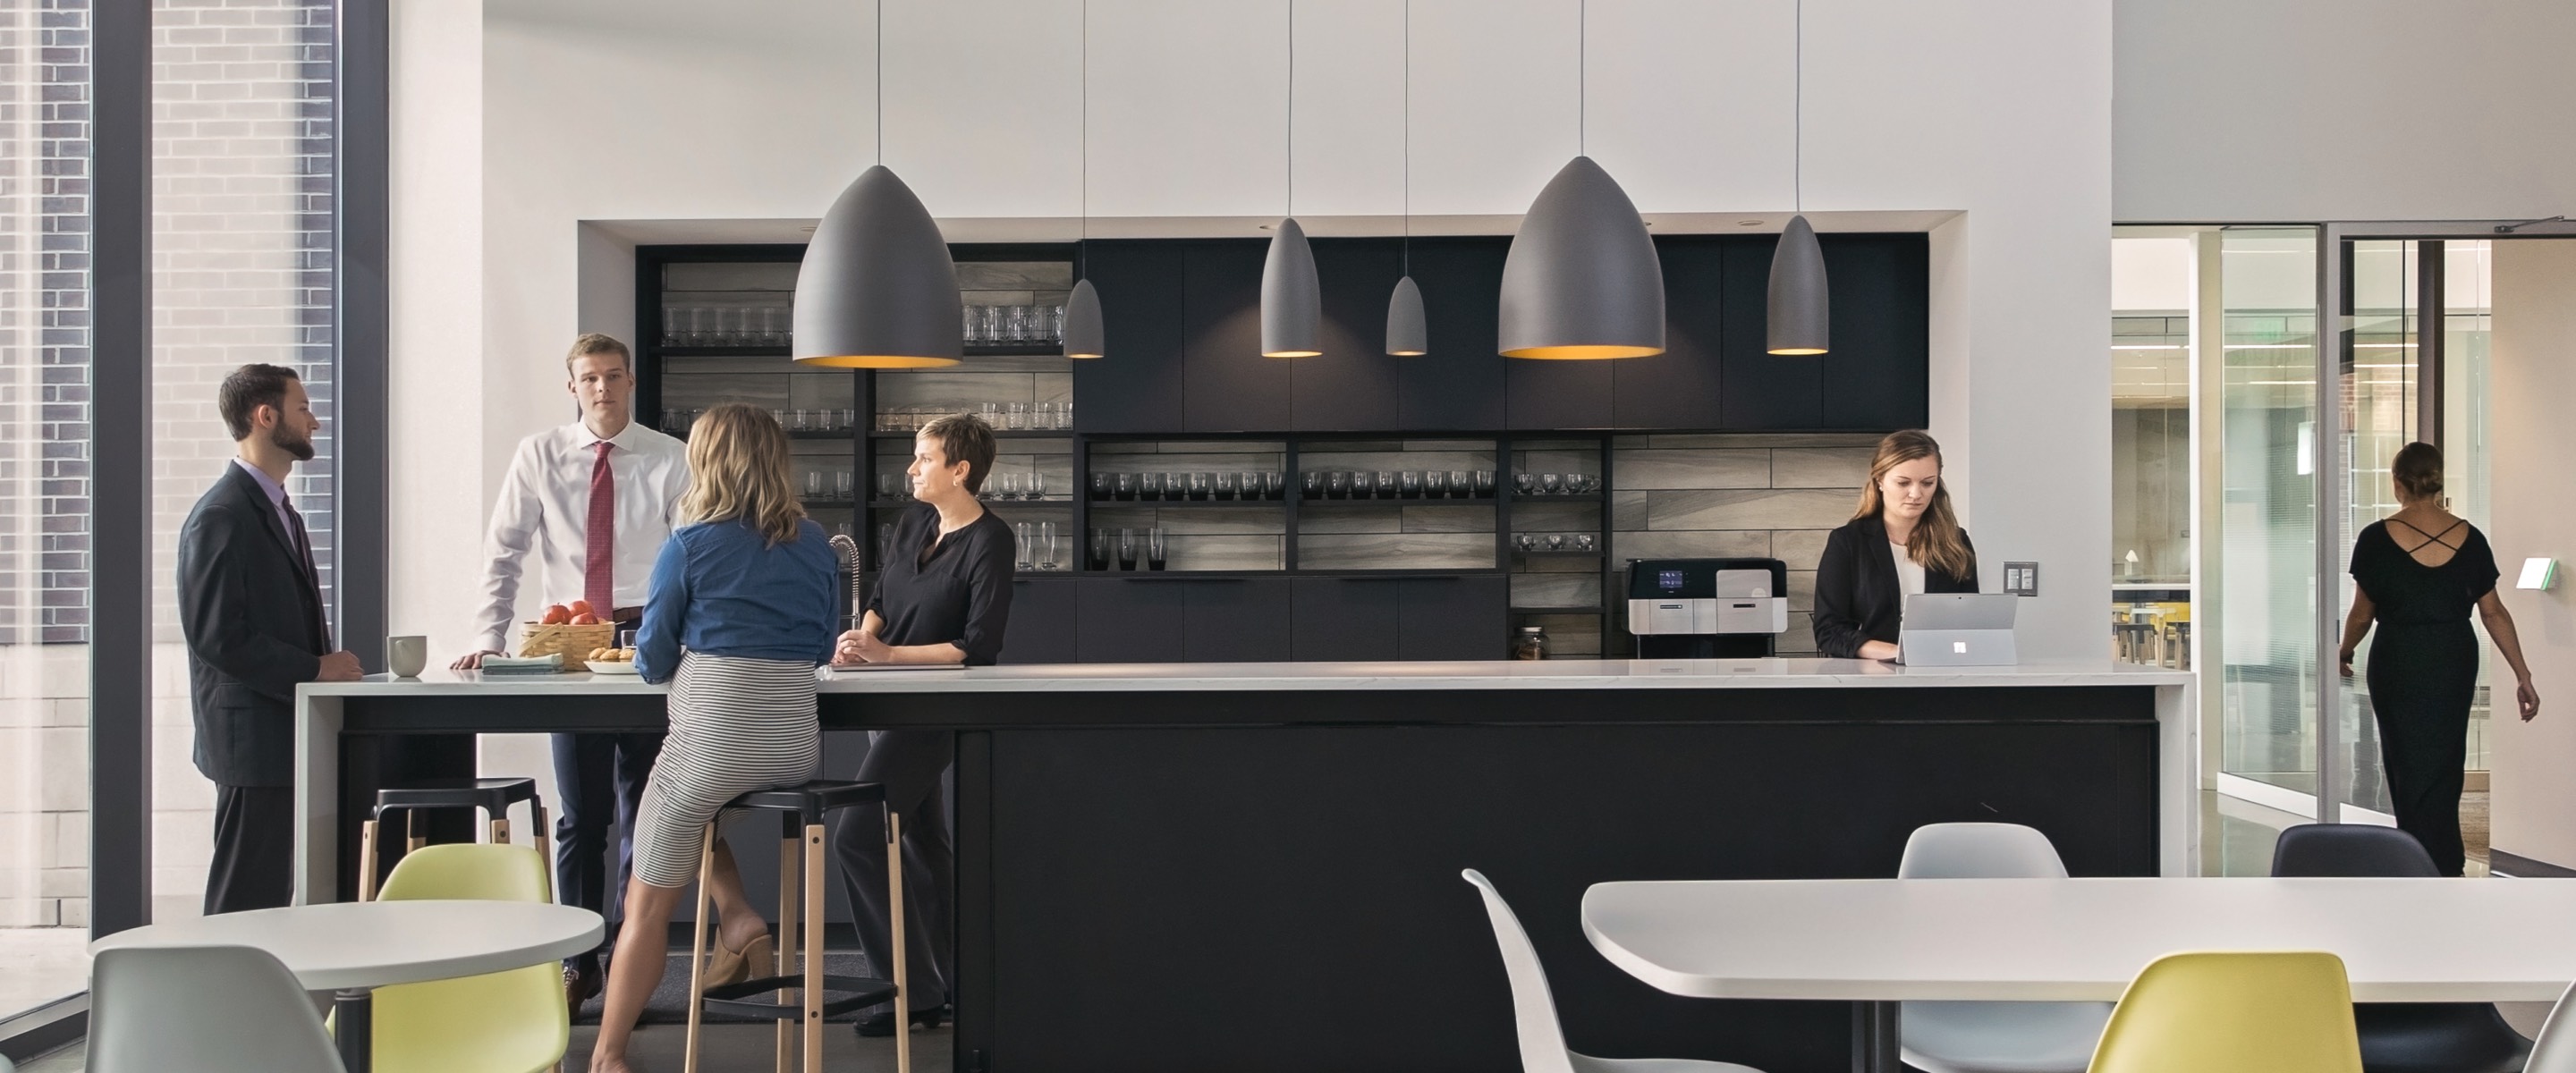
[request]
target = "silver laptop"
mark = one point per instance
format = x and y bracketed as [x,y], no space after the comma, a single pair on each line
[1965,629]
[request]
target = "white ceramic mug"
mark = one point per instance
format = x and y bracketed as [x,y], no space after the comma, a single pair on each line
[406,655]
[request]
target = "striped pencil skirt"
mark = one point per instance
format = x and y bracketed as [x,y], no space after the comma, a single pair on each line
[737,725]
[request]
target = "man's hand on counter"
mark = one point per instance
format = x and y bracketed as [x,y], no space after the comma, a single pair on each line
[470,661]
[341,667]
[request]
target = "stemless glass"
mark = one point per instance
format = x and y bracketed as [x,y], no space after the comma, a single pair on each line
[675,325]
[1551,483]
[885,486]
[841,481]
[1251,485]
[1064,415]
[996,324]
[1042,416]
[1126,487]
[1010,486]
[1485,483]
[973,324]
[1227,486]
[1337,484]
[1202,486]
[1046,547]
[1585,542]
[1274,485]
[1458,486]
[1311,483]
[991,412]
[1036,487]
[1411,482]
[1101,485]
[1149,486]
[1055,324]
[1526,541]
[1098,554]
[1025,550]
[1154,549]
[1386,484]
[1525,482]
[1126,549]
[1018,415]
[813,484]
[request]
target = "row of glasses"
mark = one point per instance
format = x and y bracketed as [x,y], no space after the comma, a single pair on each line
[1017,416]
[1030,486]
[1397,484]
[1556,484]
[1122,546]
[766,325]
[1038,547]
[677,421]
[1556,542]
[1241,486]
[1001,325]
[828,485]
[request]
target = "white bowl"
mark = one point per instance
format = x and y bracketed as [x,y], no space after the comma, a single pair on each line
[601,666]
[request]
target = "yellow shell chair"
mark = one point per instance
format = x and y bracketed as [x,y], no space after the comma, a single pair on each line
[2288,1012]
[504,1022]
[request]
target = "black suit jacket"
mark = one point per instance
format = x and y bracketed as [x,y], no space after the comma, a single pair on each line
[1858,598]
[252,615]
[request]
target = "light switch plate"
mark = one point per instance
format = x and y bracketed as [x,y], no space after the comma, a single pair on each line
[2021,579]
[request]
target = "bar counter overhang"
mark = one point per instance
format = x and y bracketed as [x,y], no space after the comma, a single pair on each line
[1254,866]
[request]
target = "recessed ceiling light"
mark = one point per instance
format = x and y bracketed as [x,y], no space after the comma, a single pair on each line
[1748,223]
[808,229]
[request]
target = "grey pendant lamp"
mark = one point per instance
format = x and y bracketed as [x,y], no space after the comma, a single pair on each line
[1799,314]
[1408,334]
[1292,301]
[1581,281]
[1084,334]
[877,289]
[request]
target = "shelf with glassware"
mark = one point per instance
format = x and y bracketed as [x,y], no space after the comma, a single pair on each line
[1558,544]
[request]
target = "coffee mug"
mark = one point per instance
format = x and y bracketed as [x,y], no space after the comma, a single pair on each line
[406,655]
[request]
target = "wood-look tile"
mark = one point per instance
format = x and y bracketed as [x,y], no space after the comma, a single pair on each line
[1802,589]
[1218,552]
[1014,275]
[1691,544]
[1628,510]
[1395,551]
[1244,521]
[1794,508]
[1800,548]
[1692,468]
[1821,467]
[1449,518]
[1556,590]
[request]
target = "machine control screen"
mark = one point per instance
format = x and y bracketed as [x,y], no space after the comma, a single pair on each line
[1668,580]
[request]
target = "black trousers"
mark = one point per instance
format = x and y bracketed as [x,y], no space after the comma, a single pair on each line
[2422,680]
[600,778]
[909,764]
[254,865]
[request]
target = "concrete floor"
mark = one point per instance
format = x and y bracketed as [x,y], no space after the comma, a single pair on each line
[723,1049]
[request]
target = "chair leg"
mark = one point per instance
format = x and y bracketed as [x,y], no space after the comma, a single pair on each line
[412,839]
[813,937]
[500,830]
[698,944]
[367,861]
[545,844]
[901,974]
[791,852]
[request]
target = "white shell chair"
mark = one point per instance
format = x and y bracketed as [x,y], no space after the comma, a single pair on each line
[1993,1037]
[2555,1050]
[205,1009]
[1534,1008]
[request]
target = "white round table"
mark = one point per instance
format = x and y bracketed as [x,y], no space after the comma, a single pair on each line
[351,948]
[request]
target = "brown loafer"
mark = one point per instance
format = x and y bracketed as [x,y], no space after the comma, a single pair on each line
[579,988]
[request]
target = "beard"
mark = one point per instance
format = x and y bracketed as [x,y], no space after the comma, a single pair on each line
[294,443]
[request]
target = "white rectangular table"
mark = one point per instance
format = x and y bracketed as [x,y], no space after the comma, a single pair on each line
[1882,941]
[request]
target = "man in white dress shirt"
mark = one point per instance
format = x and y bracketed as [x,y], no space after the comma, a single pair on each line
[592,501]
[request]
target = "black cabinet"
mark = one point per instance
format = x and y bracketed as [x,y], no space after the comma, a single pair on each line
[1046,622]
[1353,386]
[1137,386]
[1235,620]
[1125,620]
[1460,617]
[1459,385]
[1678,389]
[1348,619]
[1547,395]
[1877,377]
[1227,386]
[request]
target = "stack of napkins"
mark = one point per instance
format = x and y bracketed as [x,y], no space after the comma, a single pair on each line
[551,663]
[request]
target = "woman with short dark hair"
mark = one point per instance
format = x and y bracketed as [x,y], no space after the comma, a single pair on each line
[2417,574]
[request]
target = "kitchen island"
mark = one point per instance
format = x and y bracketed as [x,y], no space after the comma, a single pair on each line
[1254,866]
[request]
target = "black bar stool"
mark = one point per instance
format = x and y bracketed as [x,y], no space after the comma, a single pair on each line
[801,810]
[493,796]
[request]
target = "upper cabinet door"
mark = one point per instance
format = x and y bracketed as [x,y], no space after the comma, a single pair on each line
[1678,389]
[1352,385]
[1137,386]
[1458,386]
[1046,621]
[1228,385]
[1877,378]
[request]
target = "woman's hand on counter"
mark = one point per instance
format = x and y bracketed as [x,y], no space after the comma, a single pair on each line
[861,646]
[1880,650]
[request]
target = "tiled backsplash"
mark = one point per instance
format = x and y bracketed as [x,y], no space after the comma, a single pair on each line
[1773,496]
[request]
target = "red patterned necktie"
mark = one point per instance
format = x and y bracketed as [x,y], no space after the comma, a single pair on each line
[599,563]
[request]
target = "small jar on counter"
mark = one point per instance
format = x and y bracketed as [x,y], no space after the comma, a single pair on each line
[1531,643]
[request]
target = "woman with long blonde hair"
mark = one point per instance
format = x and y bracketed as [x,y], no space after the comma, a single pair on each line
[1903,540]
[742,609]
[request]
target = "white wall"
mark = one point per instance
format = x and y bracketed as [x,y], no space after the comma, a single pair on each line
[2310,110]
[2533,370]
[595,110]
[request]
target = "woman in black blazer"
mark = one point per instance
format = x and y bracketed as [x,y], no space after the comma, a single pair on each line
[1904,540]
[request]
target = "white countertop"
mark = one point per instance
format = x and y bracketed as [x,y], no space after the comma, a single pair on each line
[1284,677]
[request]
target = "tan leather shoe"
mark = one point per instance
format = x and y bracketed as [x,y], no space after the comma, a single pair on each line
[735,966]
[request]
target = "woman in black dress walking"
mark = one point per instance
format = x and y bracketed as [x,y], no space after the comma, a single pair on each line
[2417,574]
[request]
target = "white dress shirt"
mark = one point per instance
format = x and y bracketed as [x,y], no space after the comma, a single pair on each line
[1909,574]
[545,508]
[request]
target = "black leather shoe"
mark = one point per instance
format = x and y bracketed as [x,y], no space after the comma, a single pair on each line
[882,1024]
[581,984]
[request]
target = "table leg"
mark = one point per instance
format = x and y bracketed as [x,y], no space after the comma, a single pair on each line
[1874,1038]
[353,1020]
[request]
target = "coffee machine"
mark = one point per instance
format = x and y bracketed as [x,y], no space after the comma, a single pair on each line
[1707,608]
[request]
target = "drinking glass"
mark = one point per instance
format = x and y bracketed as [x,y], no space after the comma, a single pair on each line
[1551,483]
[1022,532]
[675,325]
[1251,485]
[1154,549]
[1411,484]
[1126,486]
[1435,484]
[1585,541]
[1525,482]
[849,419]
[1227,486]
[991,412]
[1043,416]
[813,484]
[1055,325]
[1037,484]
[1019,415]
[995,322]
[1485,483]
[702,326]
[1046,547]
[1101,485]
[1202,486]
[1010,486]
[1526,541]
[1098,554]
[1386,484]
[773,325]
[1064,415]
[885,544]
[886,486]
[841,483]
[1337,484]
[1556,542]
[1149,486]
[973,326]
[1458,486]
[1274,485]
[1126,549]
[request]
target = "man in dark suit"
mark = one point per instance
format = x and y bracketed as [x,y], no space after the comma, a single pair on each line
[250,605]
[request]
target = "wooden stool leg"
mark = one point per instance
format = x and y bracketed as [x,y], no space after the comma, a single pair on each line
[813,996]
[367,861]
[500,830]
[894,929]
[545,843]
[791,853]
[698,943]
[411,832]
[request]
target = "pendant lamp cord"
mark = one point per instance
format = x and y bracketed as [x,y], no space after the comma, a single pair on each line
[1081,253]
[1408,137]
[1798,111]
[1583,77]
[880,81]
[1292,107]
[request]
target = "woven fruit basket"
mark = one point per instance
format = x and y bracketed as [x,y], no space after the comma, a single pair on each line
[571,642]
